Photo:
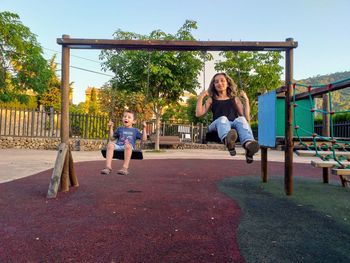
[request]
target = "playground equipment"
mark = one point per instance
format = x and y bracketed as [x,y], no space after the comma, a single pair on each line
[324,146]
[136,154]
[161,45]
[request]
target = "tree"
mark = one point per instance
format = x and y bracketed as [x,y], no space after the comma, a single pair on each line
[163,76]
[22,65]
[254,72]
[92,102]
[175,112]
[191,113]
[113,103]
[52,96]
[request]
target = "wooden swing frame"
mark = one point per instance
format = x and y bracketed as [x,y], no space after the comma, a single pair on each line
[64,162]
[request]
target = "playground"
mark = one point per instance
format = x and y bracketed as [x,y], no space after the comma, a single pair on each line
[181,210]
[176,210]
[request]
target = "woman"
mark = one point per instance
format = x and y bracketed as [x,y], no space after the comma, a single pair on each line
[228,115]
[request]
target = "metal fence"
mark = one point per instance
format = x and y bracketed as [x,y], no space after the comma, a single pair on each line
[341,129]
[42,123]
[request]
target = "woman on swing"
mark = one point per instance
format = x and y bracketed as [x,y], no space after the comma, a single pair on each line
[229,117]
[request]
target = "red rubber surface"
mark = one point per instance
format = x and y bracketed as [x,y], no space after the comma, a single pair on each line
[164,211]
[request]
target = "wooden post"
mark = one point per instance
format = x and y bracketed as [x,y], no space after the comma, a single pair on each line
[72,175]
[325,117]
[63,173]
[57,171]
[192,133]
[65,111]
[325,131]
[325,175]
[263,151]
[288,155]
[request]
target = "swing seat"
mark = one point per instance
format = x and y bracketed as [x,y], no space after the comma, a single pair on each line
[212,136]
[136,154]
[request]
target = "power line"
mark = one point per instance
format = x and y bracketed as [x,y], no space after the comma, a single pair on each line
[89,70]
[58,52]
[83,69]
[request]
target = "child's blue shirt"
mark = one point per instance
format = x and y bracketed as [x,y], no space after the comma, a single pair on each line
[123,134]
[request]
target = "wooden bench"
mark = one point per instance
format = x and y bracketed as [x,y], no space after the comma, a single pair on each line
[173,141]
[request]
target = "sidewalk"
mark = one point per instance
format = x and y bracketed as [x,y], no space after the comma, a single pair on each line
[18,163]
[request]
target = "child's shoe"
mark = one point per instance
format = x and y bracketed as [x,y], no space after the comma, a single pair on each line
[251,148]
[123,171]
[230,141]
[106,171]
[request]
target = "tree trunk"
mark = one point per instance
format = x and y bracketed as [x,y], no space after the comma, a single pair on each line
[156,146]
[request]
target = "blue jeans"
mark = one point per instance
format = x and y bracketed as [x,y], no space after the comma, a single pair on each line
[222,125]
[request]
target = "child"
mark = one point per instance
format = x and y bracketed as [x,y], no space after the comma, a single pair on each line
[126,137]
[228,115]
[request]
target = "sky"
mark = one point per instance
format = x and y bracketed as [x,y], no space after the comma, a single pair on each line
[321,28]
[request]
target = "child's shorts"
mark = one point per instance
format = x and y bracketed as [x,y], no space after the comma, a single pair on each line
[118,147]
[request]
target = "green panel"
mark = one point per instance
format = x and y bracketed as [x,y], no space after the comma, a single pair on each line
[280,112]
[304,118]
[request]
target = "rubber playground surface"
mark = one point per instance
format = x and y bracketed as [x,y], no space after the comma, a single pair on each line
[174,210]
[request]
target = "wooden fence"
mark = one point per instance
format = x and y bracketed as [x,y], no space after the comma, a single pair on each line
[41,123]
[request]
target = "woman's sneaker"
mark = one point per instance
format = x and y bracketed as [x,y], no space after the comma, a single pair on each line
[230,141]
[251,149]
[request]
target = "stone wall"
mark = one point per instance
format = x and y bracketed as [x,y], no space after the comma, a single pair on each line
[38,143]
[49,143]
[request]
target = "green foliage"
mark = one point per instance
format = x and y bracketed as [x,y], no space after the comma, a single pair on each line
[22,65]
[113,103]
[254,72]
[191,113]
[51,98]
[162,76]
[77,109]
[93,107]
[52,95]
[340,117]
[254,125]
[176,113]
[31,104]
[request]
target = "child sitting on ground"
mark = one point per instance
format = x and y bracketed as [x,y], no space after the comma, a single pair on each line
[123,139]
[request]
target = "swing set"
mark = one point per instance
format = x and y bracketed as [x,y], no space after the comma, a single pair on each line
[64,175]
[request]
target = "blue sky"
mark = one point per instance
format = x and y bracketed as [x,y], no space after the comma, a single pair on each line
[321,28]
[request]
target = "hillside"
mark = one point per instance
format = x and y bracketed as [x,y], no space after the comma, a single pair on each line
[341,98]
[325,79]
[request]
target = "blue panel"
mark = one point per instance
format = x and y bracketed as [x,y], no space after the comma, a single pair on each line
[267,119]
